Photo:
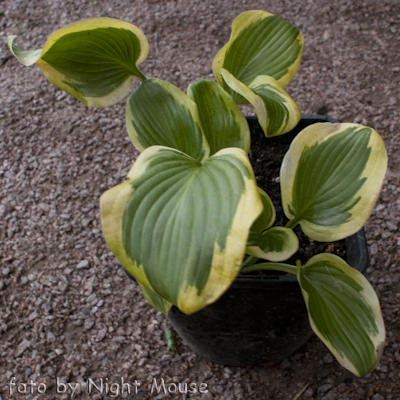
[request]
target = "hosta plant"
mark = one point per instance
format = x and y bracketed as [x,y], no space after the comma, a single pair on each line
[189,217]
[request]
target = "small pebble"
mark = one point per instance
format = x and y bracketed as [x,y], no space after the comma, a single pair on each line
[392,227]
[218,388]
[328,358]
[22,347]
[86,222]
[331,395]
[342,388]
[374,248]
[308,393]
[44,207]
[324,388]
[91,298]
[88,324]
[33,316]
[83,264]
[101,335]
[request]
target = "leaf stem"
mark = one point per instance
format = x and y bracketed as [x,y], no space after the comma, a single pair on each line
[169,336]
[141,76]
[292,223]
[291,269]
[250,260]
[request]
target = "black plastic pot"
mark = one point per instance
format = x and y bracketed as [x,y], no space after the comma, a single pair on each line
[260,319]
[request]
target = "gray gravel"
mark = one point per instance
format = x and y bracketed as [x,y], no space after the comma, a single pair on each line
[67,309]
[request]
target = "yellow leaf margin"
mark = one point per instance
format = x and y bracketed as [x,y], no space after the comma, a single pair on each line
[374,172]
[290,246]
[368,295]
[225,265]
[239,24]
[58,78]
[259,105]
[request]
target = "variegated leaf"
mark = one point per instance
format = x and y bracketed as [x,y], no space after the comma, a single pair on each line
[275,244]
[260,44]
[155,300]
[94,60]
[223,123]
[26,57]
[158,113]
[180,226]
[344,311]
[276,111]
[331,177]
[267,217]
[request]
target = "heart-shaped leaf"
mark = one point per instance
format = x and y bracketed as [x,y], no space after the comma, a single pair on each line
[331,177]
[179,226]
[344,311]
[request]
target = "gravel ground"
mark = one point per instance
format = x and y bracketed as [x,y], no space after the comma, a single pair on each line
[67,310]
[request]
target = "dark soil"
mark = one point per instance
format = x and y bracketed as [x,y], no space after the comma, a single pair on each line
[266,155]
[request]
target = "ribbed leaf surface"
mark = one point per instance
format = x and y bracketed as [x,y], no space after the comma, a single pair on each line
[331,178]
[221,119]
[275,107]
[276,111]
[344,311]
[261,44]
[158,113]
[94,60]
[184,225]
[268,46]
